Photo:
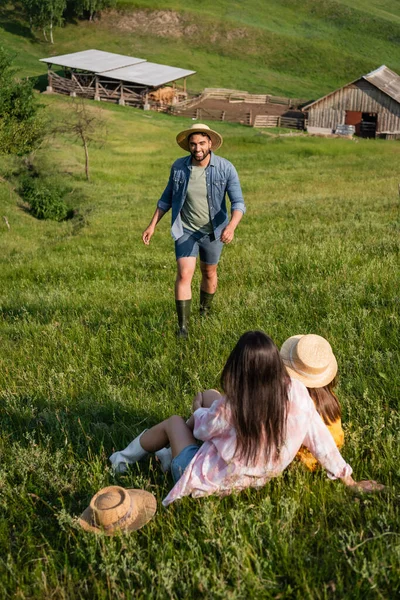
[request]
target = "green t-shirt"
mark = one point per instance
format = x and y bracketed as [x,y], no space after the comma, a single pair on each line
[195,213]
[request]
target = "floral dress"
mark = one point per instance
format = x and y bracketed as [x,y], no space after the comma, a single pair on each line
[216,470]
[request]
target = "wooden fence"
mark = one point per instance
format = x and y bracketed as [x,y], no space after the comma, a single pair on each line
[62,85]
[241,96]
[220,115]
[88,86]
[235,97]
[274,121]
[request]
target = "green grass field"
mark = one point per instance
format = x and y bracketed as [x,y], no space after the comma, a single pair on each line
[89,358]
[301,49]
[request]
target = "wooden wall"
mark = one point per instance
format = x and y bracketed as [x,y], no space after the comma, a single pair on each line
[359,96]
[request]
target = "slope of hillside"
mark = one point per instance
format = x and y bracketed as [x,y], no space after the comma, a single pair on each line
[89,358]
[292,47]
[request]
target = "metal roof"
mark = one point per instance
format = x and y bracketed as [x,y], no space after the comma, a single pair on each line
[148,73]
[386,80]
[382,78]
[93,60]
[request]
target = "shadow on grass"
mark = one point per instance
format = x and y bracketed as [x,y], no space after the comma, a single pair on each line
[39,82]
[9,23]
[88,426]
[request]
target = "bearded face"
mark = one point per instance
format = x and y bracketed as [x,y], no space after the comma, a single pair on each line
[199,146]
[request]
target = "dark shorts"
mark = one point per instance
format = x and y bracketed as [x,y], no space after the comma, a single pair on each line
[180,462]
[193,242]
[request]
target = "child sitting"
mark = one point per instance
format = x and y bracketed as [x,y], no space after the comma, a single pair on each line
[250,434]
[309,359]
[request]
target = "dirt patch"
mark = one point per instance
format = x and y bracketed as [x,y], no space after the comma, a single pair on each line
[166,24]
[160,23]
[242,112]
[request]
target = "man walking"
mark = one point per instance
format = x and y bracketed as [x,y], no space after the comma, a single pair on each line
[196,193]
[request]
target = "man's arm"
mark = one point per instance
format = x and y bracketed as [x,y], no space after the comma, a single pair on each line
[163,206]
[229,232]
[149,232]
[234,192]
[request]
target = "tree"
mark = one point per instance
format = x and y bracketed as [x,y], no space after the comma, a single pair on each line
[21,125]
[43,14]
[86,125]
[91,7]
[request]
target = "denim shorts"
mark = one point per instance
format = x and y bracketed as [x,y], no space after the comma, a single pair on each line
[193,242]
[180,462]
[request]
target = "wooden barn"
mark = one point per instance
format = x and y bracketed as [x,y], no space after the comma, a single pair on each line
[116,78]
[371,104]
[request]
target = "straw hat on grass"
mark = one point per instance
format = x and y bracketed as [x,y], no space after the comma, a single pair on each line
[115,509]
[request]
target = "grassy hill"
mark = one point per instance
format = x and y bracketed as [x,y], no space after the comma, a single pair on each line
[89,355]
[292,47]
[89,358]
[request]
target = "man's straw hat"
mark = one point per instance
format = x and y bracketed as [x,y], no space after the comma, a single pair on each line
[182,138]
[309,358]
[115,509]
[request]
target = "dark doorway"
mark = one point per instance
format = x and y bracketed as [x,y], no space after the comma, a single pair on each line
[368,125]
[365,123]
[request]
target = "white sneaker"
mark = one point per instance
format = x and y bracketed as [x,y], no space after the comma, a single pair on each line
[132,453]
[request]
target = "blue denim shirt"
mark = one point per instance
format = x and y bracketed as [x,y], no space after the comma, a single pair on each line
[221,178]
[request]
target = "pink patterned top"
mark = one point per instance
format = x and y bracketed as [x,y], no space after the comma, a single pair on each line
[216,470]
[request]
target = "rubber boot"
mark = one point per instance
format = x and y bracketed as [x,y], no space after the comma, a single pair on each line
[205,303]
[131,454]
[183,310]
[165,457]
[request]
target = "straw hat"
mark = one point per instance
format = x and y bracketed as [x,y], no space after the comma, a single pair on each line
[309,358]
[182,138]
[114,509]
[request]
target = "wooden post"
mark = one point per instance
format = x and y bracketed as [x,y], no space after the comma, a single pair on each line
[146,105]
[184,85]
[96,88]
[49,78]
[223,116]
[73,93]
[121,101]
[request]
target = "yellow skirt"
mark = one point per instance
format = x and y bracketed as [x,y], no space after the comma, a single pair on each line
[305,455]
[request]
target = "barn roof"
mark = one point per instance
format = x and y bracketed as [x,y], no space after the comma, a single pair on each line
[120,67]
[93,60]
[386,80]
[147,73]
[382,78]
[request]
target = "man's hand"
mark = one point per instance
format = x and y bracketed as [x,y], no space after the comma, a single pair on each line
[147,235]
[228,234]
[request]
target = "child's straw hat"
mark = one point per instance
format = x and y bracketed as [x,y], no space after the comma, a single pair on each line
[115,509]
[182,139]
[309,358]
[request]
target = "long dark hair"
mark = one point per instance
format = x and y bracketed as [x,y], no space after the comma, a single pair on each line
[326,402]
[255,383]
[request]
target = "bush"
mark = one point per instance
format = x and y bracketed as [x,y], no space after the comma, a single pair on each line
[45,198]
[21,125]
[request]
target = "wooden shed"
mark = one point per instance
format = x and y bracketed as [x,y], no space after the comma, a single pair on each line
[370,103]
[116,78]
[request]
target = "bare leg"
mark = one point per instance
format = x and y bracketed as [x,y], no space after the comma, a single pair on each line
[209,280]
[183,284]
[173,431]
